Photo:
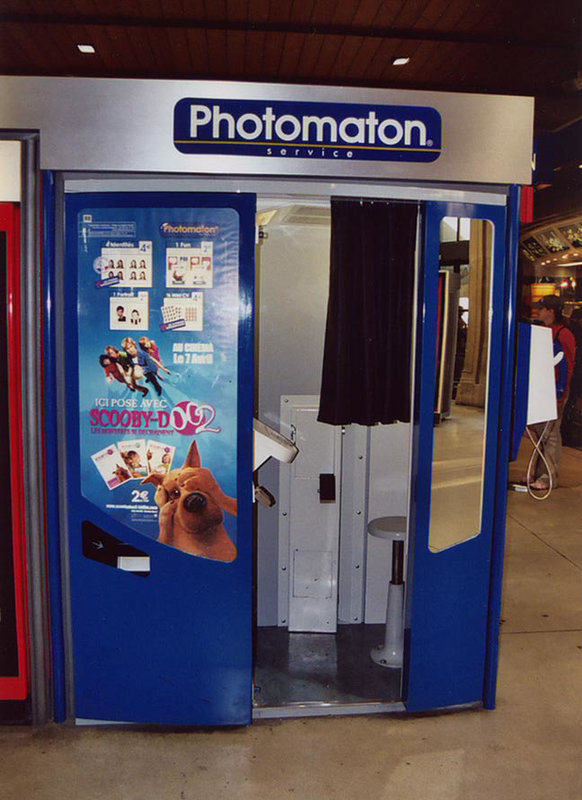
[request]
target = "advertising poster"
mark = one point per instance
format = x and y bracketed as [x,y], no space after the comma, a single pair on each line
[158,313]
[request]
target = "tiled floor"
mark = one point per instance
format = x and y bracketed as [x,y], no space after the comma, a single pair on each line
[529,748]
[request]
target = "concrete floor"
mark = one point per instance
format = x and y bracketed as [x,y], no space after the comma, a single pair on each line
[529,748]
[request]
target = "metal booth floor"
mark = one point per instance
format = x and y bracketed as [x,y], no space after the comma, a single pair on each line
[294,668]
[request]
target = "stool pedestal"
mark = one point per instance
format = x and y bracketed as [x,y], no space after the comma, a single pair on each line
[389,654]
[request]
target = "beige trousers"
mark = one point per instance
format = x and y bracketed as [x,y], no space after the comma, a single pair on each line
[551,446]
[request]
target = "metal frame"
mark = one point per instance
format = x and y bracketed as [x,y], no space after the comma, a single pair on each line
[56,468]
[32,426]
[507,370]
[295,710]
[286,188]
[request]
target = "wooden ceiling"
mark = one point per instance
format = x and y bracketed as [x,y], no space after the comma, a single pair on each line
[494,46]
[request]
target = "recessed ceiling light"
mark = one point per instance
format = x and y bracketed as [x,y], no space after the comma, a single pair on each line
[85,48]
[400,62]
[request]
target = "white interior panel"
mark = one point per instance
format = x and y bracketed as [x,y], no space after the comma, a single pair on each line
[309,532]
[10,168]
[353,523]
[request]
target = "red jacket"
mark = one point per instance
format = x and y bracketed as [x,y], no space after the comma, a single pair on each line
[568,342]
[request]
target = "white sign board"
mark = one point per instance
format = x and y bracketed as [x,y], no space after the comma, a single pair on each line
[541,405]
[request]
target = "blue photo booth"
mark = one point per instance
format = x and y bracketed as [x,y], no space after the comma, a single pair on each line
[184,292]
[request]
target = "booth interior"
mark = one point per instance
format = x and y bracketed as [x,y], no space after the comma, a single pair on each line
[322,579]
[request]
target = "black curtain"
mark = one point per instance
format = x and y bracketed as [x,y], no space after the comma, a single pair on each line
[367,354]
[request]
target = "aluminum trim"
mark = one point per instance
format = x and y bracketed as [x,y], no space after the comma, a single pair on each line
[326,710]
[60,381]
[285,188]
[32,439]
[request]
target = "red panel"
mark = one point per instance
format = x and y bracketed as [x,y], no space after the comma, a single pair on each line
[16,687]
[527,205]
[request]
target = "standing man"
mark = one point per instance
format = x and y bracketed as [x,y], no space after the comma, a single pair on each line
[576,328]
[550,314]
[572,419]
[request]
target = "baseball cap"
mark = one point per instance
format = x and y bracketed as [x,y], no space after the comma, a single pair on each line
[551,301]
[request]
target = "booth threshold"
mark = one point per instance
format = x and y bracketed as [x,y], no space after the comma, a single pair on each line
[326,710]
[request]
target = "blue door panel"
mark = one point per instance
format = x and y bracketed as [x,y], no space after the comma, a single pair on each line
[448,592]
[448,654]
[173,646]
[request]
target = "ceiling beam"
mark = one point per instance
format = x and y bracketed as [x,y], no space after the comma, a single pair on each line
[411,34]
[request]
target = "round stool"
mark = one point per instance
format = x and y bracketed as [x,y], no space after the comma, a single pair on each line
[389,654]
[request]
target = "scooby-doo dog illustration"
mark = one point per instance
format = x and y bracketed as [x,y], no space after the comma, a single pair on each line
[191,509]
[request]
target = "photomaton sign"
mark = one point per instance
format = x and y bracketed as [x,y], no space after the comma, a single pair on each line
[307,130]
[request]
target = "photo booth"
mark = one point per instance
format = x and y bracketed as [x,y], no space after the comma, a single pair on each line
[220,446]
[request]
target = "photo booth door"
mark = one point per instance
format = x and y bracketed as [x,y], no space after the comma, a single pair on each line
[458,512]
[156,361]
